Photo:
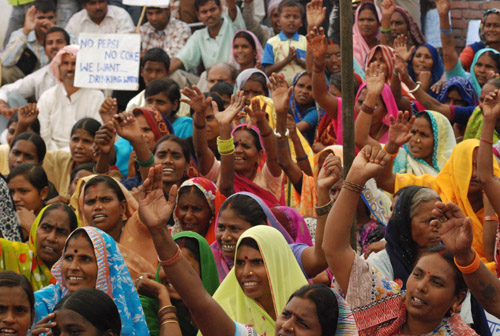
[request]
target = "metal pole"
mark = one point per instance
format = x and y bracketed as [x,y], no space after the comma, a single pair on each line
[346,23]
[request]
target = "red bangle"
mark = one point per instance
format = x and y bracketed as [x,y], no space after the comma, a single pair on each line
[487,141]
[469,269]
[174,259]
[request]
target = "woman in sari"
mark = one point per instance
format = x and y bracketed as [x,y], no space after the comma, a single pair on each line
[198,252]
[303,106]
[433,291]
[365,32]
[457,182]
[429,148]
[426,58]
[293,223]
[91,259]
[326,311]
[45,244]
[398,21]
[246,51]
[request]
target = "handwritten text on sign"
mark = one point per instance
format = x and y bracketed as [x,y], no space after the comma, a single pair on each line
[108,61]
[149,3]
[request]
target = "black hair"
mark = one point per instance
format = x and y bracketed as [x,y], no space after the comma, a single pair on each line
[216,97]
[167,86]
[250,242]
[246,208]
[291,3]
[191,244]
[327,307]
[45,6]
[12,279]
[95,306]
[255,136]
[336,80]
[460,284]
[199,3]
[259,77]
[36,140]
[77,234]
[370,6]
[109,182]
[35,125]
[425,115]
[186,151]
[246,36]
[495,57]
[88,124]
[73,221]
[222,88]
[33,172]
[58,30]
[156,55]
[83,166]
[83,2]
[494,81]
[333,40]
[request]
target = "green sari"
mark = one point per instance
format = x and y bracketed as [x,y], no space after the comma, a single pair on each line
[475,126]
[209,278]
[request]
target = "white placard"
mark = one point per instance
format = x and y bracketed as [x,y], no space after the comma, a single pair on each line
[149,3]
[494,324]
[108,61]
[473,32]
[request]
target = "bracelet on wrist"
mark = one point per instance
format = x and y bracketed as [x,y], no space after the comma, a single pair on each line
[415,89]
[147,163]
[302,158]
[226,145]
[200,126]
[491,218]
[279,135]
[472,267]
[392,155]
[353,187]
[173,260]
[167,309]
[367,109]
[386,30]
[324,209]
[448,31]
[486,141]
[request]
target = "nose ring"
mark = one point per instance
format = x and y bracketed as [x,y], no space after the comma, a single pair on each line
[251,273]
[418,140]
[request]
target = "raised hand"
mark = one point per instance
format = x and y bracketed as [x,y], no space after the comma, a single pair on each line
[29,20]
[127,127]
[27,114]
[104,139]
[146,285]
[108,109]
[370,162]
[330,172]
[316,43]
[436,87]
[454,228]
[443,7]
[196,100]
[315,13]
[280,92]
[375,78]
[291,125]
[399,130]
[491,105]
[400,67]
[401,47]
[257,113]
[425,77]
[388,7]
[154,209]
[44,326]
[226,117]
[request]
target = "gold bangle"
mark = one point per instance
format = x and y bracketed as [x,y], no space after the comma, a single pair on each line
[172,307]
[353,187]
[168,321]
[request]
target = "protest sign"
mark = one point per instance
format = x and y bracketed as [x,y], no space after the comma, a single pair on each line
[149,3]
[108,61]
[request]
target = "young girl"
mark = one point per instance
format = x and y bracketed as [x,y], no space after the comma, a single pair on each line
[17,303]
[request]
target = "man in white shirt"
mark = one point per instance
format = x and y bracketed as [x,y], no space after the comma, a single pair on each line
[38,82]
[64,104]
[99,17]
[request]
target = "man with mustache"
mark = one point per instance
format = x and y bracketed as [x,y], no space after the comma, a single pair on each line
[100,18]
[32,86]
[212,44]
[64,104]
[28,40]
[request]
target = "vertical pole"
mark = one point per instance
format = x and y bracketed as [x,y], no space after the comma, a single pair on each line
[346,23]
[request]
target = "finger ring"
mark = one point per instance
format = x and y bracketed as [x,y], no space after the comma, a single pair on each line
[140,277]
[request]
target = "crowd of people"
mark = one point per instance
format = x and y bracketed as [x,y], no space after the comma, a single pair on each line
[213,200]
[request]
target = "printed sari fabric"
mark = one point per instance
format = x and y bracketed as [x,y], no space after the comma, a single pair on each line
[209,278]
[444,142]
[283,273]
[437,69]
[452,185]
[475,126]
[113,279]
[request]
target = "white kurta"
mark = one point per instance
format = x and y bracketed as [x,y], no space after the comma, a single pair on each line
[58,113]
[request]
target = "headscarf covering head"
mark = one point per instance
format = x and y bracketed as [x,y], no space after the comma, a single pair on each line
[113,278]
[245,75]
[360,47]
[495,56]
[57,60]
[296,224]
[272,5]
[258,47]
[387,55]
[483,21]
[415,32]
[283,274]
[437,63]
[464,87]
[154,120]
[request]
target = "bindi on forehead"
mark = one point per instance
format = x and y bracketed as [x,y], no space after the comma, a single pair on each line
[75,251]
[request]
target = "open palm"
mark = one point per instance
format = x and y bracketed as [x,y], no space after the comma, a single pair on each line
[399,130]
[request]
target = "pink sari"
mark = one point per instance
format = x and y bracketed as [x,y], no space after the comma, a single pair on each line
[360,47]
